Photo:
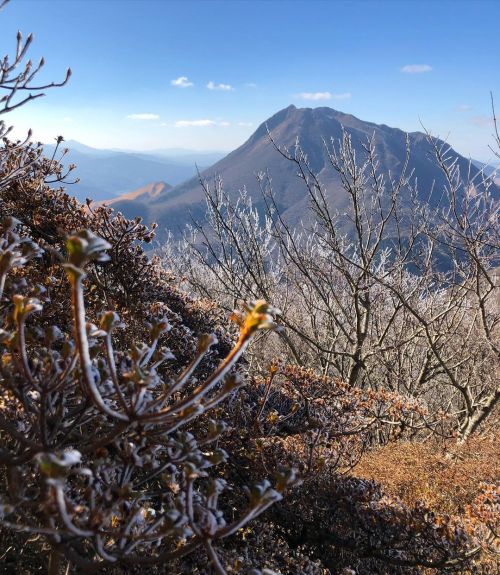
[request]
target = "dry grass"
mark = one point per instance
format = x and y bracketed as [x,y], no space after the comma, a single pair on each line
[446,477]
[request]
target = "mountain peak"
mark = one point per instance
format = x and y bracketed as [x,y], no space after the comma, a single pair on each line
[311,126]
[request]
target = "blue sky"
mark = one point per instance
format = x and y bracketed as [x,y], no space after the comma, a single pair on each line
[205,74]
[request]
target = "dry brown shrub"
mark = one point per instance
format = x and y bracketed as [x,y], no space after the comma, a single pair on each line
[446,476]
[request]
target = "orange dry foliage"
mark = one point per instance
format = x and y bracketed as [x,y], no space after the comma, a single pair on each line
[446,476]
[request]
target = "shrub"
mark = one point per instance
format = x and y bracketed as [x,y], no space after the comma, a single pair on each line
[95,447]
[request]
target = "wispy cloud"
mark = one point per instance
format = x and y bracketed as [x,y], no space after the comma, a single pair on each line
[464,108]
[182,82]
[314,96]
[250,85]
[223,87]
[416,68]
[68,120]
[196,123]
[482,121]
[317,96]
[200,123]
[143,117]
[343,96]
[245,124]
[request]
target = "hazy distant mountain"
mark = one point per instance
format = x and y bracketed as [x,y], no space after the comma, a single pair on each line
[105,174]
[136,203]
[189,157]
[75,146]
[489,169]
[238,168]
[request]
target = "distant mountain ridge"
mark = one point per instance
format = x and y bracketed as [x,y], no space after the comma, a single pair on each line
[105,174]
[310,125]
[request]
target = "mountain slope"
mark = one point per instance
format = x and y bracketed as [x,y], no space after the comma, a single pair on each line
[151,190]
[135,203]
[489,169]
[239,168]
[105,174]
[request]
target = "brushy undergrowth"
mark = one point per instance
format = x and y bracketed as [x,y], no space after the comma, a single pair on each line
[446,476]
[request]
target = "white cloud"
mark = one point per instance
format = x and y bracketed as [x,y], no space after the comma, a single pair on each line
[143,117]
[317,96]
[250,85]
[245,124]
[164,124]
[482,121]
[197,123]
[314,96]
[200,123]
[464,108]
[68,120]
[182,82]
[416,68]
[223,87]
[343,96]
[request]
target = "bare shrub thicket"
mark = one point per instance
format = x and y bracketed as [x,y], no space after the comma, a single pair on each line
[391,323]
[406,300]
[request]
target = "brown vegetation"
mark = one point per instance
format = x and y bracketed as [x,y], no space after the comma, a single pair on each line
[446,476]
